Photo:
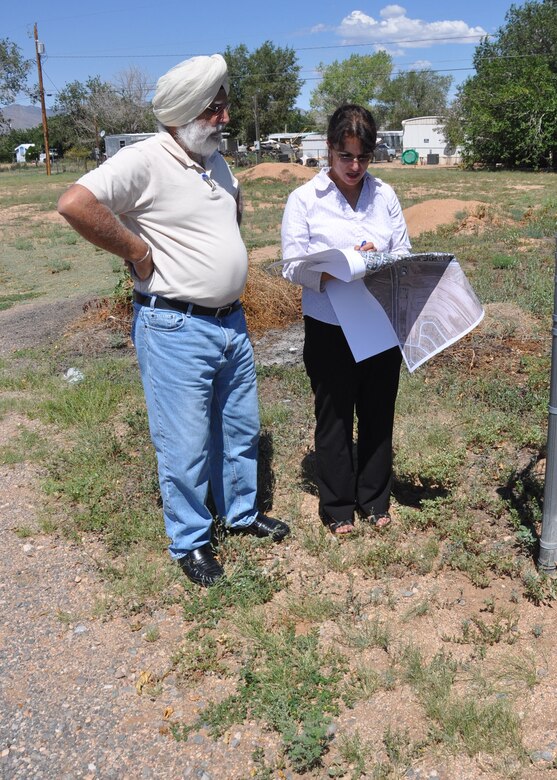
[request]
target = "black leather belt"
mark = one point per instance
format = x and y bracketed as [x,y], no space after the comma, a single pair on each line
[188,308]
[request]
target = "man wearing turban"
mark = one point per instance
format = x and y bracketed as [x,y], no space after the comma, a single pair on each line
[169,206]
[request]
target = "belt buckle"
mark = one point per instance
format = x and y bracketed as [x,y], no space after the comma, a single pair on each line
[224,311]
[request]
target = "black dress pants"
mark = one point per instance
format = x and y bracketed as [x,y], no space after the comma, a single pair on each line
[341,387]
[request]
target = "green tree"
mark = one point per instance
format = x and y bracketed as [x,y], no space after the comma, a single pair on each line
[410,94]
[359,79]
[84,109]
[14,69]
[507,111]
[265,82]
[32,155]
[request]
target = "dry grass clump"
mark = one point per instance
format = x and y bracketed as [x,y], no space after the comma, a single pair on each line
[269,301]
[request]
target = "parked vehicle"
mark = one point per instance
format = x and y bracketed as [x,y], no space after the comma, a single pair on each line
[384,152]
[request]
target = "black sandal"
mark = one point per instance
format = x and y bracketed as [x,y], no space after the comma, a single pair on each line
[334,527]
[377,521]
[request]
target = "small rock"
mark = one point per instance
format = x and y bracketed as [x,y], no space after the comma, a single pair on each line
[74,375]
[541,673]
[198,739]
[538,755]
[331,729]
[81,628]
[28,549]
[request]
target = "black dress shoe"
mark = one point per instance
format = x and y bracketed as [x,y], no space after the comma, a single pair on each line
[264,527]
[201,566]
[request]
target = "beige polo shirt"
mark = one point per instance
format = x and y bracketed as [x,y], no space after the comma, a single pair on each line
[186,213]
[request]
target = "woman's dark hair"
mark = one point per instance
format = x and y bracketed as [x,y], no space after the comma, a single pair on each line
[352,121]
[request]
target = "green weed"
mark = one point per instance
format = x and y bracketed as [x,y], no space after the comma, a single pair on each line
[57,266]
[6,301]
[314,607]
[289,684]
[366,634]
[198,655]
[246,586]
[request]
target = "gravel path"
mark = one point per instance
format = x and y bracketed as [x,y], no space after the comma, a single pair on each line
[68,691]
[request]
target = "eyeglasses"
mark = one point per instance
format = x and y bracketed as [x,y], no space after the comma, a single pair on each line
[218,108]
[348,159]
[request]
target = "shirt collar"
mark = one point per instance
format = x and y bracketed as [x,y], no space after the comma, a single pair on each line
[323,182]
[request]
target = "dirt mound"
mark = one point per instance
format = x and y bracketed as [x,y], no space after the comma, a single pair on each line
[280,171]
[441,211]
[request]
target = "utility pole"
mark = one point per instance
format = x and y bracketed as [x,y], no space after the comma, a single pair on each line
[257,139]
[39,50]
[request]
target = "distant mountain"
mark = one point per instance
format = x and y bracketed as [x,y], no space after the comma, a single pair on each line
[23,117]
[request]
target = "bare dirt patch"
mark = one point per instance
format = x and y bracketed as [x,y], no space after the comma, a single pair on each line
[280,171]
[32,212]
[430,214]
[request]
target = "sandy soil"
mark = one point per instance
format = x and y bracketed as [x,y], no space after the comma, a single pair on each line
[432,213]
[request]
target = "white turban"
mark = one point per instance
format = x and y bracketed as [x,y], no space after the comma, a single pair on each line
[188,88]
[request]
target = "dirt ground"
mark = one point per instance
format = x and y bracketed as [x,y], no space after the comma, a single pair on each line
[70,681]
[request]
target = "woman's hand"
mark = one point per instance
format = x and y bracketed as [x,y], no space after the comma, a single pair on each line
[368,246]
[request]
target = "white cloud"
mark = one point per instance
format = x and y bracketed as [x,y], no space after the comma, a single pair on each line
[317,28]
[418,65]
[392,10]
[396,28]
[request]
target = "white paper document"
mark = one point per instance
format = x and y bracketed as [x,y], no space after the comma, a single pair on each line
[367,328]
[344,264]
[421,302]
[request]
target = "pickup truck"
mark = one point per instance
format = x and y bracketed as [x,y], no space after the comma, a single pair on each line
[384,152]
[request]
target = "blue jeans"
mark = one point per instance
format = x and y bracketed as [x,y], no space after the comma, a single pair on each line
[198,376]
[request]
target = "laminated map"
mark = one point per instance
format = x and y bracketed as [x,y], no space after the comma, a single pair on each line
[426,297]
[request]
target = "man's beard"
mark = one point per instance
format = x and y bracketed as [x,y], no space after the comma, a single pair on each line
[200,137]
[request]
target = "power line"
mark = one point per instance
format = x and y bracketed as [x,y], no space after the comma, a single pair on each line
[395,42]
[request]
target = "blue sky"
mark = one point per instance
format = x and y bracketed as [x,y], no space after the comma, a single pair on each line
[107,38]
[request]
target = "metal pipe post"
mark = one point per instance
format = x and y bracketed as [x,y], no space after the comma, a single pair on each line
[548,539]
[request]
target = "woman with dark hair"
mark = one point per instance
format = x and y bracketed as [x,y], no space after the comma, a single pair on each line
[344,206]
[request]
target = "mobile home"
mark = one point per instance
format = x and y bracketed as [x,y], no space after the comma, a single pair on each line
[426,135]
[113,143]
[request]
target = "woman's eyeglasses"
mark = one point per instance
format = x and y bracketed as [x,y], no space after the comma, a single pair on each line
[348,159]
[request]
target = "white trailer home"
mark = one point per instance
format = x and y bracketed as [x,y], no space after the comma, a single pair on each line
[20,152]
[113,143]
[426,135]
